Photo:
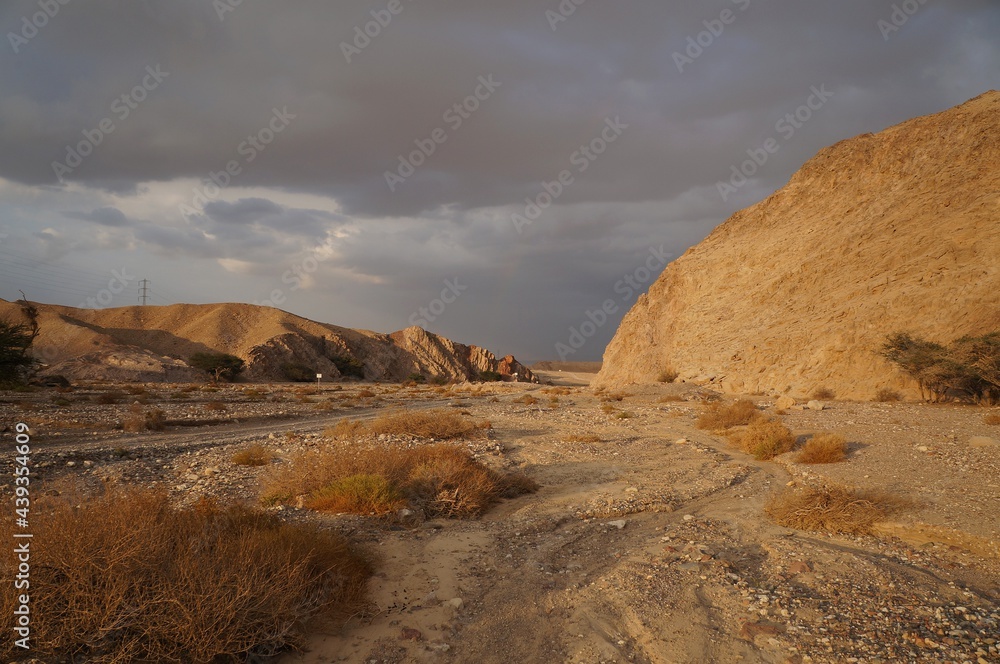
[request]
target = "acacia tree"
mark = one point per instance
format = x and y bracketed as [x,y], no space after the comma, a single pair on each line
[15,342]
[968,367]
[221,365]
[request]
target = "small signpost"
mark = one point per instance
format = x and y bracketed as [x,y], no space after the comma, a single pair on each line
[319,377]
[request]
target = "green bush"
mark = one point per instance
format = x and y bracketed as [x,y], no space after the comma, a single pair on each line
[298,373]
[348,366]
[968,368]
[221,365]
[490,376]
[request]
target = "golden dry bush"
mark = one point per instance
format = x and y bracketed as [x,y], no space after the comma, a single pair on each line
[834,509]
[127,577]
[216,406]
[719,416]
[584,438]
[440,479]
[527,399]
[823,448]
[886,395]
[257,455]
[668,375]
[438,423]
[993,419]
[764,438]
[823,394]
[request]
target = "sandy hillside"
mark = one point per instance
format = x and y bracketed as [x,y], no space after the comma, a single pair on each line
[895,231]
[153,343]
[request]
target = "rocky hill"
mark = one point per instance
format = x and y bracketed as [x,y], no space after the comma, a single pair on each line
[154,343]
[895,231]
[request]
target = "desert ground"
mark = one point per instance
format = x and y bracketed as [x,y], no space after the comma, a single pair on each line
[647,540]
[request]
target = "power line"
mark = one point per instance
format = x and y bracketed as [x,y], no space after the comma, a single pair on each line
[143,291]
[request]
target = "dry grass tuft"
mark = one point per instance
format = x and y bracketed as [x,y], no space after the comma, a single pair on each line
[823,448]
[764,439]
[128,578]
[886,395]
[824,394]
[993,419]
[442,480]
[152,420]
[833,509]
[585,438]
[527,400]
[216,406]
[668,375]
[670,398]
[719,417]
[258,455]
[440,424]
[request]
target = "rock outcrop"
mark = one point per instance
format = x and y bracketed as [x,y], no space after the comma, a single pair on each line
[152,344]
[895,231]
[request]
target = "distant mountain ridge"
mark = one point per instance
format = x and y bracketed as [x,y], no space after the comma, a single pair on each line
[150,343]
[886,232]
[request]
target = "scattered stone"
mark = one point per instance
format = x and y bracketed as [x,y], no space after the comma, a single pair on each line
[619,524]
[688,517]
[410,634]
[456,603]
[751,630]
[815,405]
[983,441]
[799,567]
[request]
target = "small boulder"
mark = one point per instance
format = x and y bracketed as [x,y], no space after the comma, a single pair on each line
[784,403]
[983,441]
[815,405]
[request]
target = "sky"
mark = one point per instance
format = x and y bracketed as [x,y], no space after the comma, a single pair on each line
[508,174]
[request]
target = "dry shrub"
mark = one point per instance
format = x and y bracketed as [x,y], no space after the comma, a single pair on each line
[625,415]
[607,408]
[833,509]
[439,423]
[257,455]
[108,398]
[358,494]
[993,419]
[527,399]
[615,396]
[152,420]
[824,394]
[442,480]
[365,394]
[718,416]
[586,438]
[885,395]
[670,398]
[557,390]
[217,406]
[824,448]
[764,439]
[129,578]
[668,375]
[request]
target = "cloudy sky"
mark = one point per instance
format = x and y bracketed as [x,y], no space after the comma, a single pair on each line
[376,164]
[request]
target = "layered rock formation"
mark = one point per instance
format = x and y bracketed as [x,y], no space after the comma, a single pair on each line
[895,231]
[153,344]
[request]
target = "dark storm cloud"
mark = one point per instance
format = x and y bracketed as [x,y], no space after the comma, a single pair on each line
[354,120]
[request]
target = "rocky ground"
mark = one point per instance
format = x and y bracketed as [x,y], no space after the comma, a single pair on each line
[646,543]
